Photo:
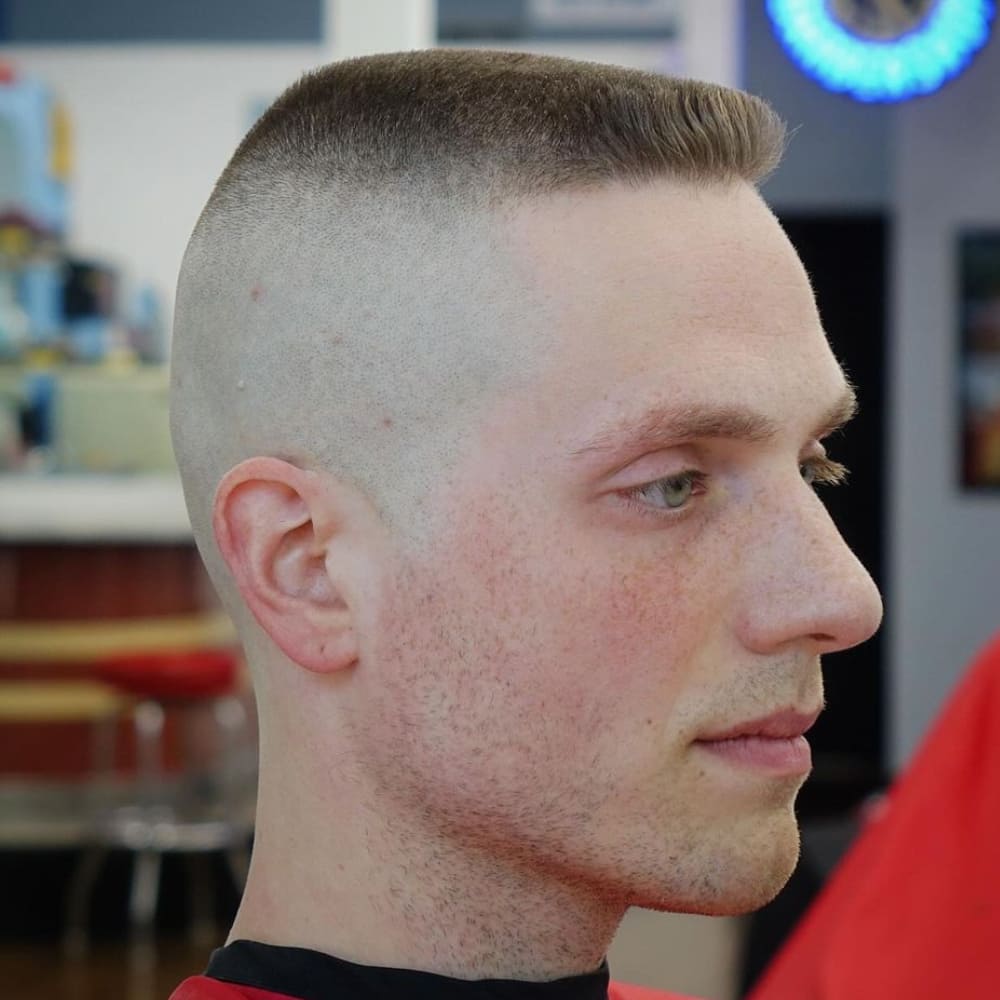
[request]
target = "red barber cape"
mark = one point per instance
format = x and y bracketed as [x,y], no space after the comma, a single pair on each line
[203,988]
[913,910]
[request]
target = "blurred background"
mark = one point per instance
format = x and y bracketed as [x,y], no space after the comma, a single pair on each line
[126,729]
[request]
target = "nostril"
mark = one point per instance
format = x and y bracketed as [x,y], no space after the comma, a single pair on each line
[823,637]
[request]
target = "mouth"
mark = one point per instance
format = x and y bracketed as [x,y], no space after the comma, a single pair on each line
[775,743]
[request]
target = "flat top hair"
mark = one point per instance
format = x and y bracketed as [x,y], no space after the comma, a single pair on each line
[508,124]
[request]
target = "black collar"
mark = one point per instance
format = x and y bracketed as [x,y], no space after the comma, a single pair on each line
[311,975]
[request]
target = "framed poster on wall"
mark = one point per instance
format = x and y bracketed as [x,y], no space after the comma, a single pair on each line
[979,365]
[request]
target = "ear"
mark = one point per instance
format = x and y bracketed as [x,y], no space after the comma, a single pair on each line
[285,534]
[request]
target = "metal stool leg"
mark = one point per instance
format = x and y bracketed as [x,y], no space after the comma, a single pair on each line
[145,893]
[199,872]
[78,900]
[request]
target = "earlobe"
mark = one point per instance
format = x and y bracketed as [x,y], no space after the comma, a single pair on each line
[274,524]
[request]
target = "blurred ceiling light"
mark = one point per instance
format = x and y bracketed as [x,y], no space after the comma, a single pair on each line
[882,50]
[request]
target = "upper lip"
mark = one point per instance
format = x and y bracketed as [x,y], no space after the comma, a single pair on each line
[784,724]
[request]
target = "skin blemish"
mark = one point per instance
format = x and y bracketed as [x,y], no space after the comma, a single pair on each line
[387,421]
[256,292]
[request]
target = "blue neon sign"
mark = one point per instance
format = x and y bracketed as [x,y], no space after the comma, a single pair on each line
[870,69]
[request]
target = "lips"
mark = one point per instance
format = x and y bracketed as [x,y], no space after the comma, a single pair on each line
[785,724]
[774,745]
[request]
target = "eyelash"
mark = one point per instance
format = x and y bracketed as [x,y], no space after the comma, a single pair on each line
[826,472]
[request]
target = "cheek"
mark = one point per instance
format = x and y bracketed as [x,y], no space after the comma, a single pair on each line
[518,644]
[569,626]
[626,609]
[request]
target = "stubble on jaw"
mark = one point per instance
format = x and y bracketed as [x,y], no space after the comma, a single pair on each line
[482,792]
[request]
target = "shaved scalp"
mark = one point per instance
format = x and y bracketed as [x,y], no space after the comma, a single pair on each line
[348,301]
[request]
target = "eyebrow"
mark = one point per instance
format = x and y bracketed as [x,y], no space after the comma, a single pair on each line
[696,421]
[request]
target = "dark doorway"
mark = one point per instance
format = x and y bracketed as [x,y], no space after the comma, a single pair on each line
[845,258]
[846,261]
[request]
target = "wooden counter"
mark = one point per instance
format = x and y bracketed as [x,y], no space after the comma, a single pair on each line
[91,566]
[106,509]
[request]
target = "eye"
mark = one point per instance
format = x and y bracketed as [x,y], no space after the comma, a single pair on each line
[671,493]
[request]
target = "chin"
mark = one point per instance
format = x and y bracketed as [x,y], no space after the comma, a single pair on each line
[746,899]
[726,900]
[727,879]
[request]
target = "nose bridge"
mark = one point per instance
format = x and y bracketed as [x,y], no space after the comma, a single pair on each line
[809,585]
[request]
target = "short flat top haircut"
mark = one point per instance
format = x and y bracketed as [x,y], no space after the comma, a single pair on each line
[348,270]
[505,123]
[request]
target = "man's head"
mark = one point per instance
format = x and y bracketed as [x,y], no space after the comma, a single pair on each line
[494,386]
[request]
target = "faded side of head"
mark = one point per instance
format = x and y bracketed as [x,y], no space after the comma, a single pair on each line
[348,301]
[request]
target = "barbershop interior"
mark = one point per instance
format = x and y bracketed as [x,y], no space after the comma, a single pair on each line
[128,726]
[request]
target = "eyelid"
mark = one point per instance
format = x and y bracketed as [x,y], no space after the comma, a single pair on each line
[825,471]
[699,481]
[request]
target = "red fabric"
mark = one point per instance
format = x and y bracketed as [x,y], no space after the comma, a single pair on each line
[913,910]
[625,991]
[203,988]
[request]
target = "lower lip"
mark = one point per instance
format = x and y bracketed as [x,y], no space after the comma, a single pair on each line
[780,756]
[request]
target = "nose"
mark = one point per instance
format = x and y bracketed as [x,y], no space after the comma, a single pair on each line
[803,584]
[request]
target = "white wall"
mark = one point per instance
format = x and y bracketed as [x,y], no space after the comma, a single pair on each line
[153,127]
[944,547]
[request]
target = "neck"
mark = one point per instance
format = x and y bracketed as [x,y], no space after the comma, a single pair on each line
[340,873]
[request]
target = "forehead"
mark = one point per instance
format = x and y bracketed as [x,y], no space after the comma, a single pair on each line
[674,292]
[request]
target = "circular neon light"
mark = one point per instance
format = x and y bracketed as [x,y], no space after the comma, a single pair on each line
[917,62]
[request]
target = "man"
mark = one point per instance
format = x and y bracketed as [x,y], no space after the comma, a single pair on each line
[499,397]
